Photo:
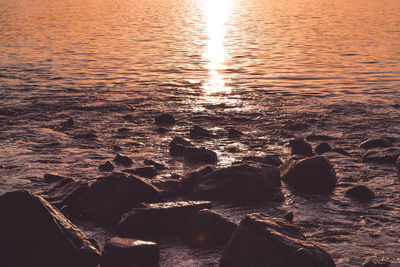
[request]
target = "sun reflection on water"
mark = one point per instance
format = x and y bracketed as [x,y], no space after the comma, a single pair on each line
[217,13]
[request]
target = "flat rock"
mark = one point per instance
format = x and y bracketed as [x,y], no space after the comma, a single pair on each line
[208,229]
[375,143]
[111,196]
[159,219]
[34,233]
[312,175]
[300,147]
[361,193]
[126,252]
[381,155]
[238,183]
[145,171]
[165,119]
[262,241]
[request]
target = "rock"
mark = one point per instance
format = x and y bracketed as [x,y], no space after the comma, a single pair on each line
[165,119]
[106,167]
[157,165]
[177,150]
[271,159]
[239,183]
[123,160]
[197,133]
[300,147]
[195,177]
[376,263]
[262,241]
[128,117]
[319,137]
[322,148]
[126,252]
[85,136]
[69,123]
[162,130]
[52,178]
[34,233]
[169,187]
[342,151]
[159,219]
[375,143]
[123,130]
[381,155]
[361,193]
[288,217]
[111,196]
[65,195]
[145,171]
[233,133]
[208,229]
[196,155]
[117,148]
[312,175]
[180,141]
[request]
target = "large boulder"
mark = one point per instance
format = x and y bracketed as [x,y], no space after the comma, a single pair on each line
[111,196]
[165,119]
[381,155]
[238,183]
[199,155]
[300,147]
[194,178]
[208,229]
[34,233]
[126,252]
[159,219]
[374,143]
[312,175]
[262,241]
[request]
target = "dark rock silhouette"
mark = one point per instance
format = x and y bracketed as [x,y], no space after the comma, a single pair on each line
[197,133]
[288,217]
[145,171]
[196,155]
[208,229]
[194,178]
[319,137]
[156,165]
[233,133]
[123,160]
[238,183]
[180,141]
[361,193]
[169,188]
[126,252]
[312,175]
[271,159]
[165,119]
[106,167]
[52,177]
[111,196]
[262,241]
[300,147]
[322,148]
[159,219]
[375,143]
[381,155]
[34,233]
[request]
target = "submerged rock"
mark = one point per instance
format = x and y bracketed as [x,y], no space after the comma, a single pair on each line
[208,229]
[106,167]
[322,148]
[243,182]
[165,119]
[361,193]
[111,196]
[262,241]
[381,155]
[300,147]
[312,175]
[123,160]
[34,233]
[126,252]
[159,219]
[375,143]
[145,171]
[197,132]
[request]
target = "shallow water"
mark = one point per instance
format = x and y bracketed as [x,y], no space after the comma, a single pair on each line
[272,69]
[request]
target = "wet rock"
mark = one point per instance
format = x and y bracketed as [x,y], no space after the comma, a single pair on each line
[85,136]
[381,155]
[165,119]
[375,143]
[65,195]
[260,240]
[159,219]
[271,159]
[69,123]
[157,165]
[300,147]
[342,151]
[122,160]
[177,150]
[312,175]
[161,130]
[34,233]
[180,141]
[288,217]
[126,252]
[197,133]
[376,263]
[145,171]
[361,193]
[106,167]
[319,137]
[128,117]
[195,177]
[196,155]
[117,148]
[123,130]
[208,229]
[239,183]
[322,148]
[111,196]
[233,133]
[169,187]
[52,178]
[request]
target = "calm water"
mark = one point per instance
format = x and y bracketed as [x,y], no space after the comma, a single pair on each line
[274,69]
